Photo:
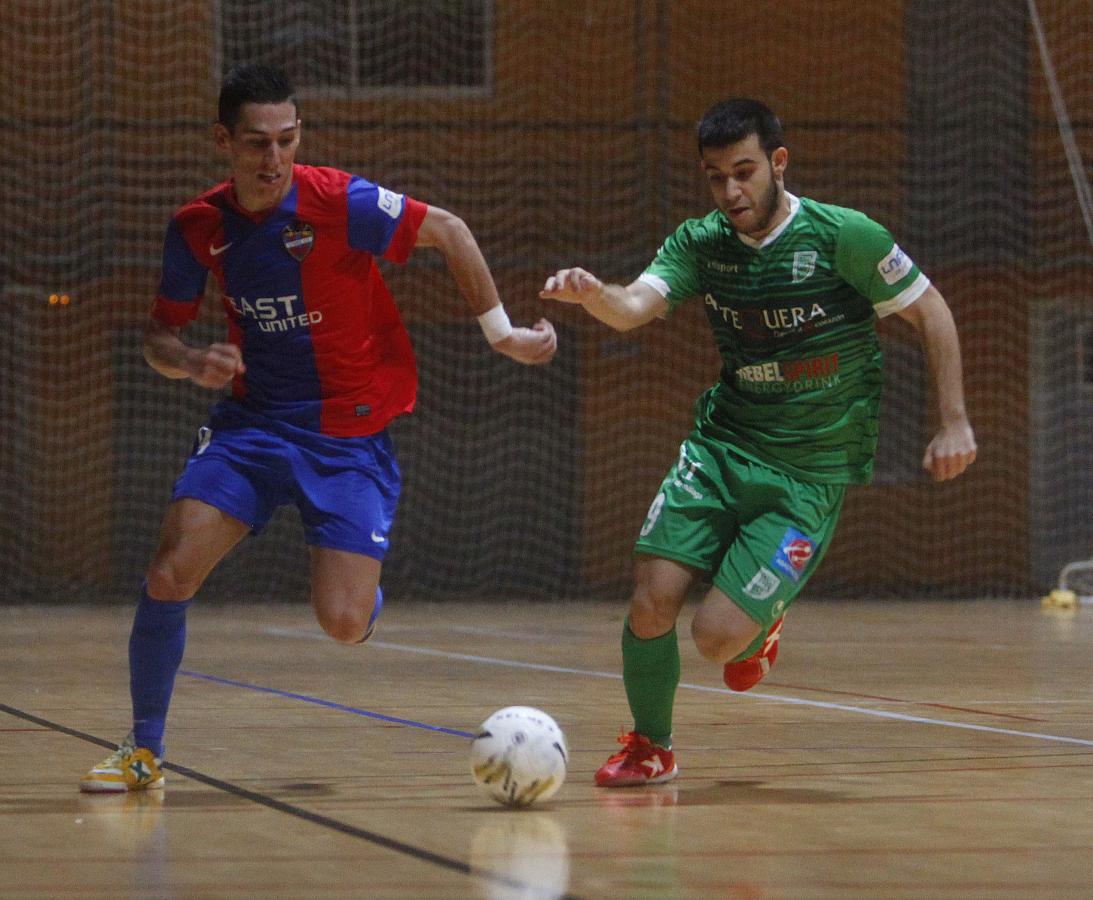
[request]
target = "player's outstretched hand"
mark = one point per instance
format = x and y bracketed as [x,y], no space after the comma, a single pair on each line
[215,365]
[950,452]
[571,286]
[531,346]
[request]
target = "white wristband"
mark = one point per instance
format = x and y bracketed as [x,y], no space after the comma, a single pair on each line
[495,324]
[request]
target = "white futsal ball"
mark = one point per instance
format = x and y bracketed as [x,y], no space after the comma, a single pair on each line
[518,756]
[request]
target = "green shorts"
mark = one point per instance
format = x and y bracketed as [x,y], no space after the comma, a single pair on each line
[758,532]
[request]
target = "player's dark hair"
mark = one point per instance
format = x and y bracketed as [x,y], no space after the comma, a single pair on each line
[252,83]
[736,119]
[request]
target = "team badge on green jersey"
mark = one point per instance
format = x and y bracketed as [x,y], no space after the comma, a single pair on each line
[804,264]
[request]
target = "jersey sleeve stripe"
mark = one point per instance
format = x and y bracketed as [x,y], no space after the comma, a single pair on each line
[657,283]
[904,298]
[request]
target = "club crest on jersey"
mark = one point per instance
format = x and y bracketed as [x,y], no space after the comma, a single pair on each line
[804,264]
[794,553]
[298,238]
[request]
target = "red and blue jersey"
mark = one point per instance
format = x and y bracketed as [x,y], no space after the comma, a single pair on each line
[322,341]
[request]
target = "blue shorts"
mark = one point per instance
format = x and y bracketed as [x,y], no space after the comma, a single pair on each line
[247,465]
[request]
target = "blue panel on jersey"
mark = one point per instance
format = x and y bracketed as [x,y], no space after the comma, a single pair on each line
[374,214]
[266,290]
[256,262]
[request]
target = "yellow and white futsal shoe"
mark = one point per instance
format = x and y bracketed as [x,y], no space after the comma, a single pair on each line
[128,768]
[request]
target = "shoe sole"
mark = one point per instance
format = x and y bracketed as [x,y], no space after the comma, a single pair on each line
[116,787]
[638,782]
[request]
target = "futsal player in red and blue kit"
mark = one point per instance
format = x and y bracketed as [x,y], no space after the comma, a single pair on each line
[318,362]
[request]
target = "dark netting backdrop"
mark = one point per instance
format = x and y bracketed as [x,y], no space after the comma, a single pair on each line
[563,133]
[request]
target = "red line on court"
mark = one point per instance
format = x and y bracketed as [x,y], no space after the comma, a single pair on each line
[1027,850]
[935,770]
[930,771]
[978,712]
[13,730]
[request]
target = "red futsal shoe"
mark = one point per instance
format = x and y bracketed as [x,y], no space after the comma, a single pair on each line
[640,761]
[747,673]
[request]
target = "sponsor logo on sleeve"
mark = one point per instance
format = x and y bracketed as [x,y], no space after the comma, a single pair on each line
[895,266]
[389,202]
[794,553]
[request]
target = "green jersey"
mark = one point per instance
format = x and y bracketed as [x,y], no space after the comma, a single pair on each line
[793,318]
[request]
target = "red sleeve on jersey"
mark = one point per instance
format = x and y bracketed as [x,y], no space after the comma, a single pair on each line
[405,236]
[175,313]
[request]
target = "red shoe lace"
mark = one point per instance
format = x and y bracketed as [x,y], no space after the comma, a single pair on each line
[632,743]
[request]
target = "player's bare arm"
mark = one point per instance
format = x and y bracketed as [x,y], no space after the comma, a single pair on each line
[620,307]
[953,448]
[212,367]
[450,235]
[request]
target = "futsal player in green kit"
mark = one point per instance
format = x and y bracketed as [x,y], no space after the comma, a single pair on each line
[791,289]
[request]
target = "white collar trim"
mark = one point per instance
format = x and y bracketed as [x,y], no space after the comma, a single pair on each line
[794,206]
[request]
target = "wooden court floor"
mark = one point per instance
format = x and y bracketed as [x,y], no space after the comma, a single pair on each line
[897,750]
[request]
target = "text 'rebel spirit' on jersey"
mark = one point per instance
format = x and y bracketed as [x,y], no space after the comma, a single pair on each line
[791,376]
[275,313]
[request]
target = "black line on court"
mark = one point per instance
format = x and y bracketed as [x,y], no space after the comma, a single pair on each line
[345,828]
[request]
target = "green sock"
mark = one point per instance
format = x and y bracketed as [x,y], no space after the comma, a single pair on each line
[650,673]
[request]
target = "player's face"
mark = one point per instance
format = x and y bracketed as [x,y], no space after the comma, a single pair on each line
[262,149]
[747,185]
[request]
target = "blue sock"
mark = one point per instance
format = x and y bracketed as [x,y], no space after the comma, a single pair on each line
[375,614]
[376,609]
[156,644]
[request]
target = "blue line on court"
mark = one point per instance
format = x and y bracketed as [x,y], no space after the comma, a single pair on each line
[513,885]
[327,703]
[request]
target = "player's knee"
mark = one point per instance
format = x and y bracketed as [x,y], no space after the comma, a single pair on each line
[345,624]
[713,646]
[720,640]
[168,581]
[652,614]
[345,627]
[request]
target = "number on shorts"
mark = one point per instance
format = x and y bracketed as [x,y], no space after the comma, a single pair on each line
[653,514]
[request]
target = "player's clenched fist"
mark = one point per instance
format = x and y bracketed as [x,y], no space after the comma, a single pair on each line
[531,346]
[950,452]
[571,286]
[215,366]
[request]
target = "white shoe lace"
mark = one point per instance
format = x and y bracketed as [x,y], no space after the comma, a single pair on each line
[115,759]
